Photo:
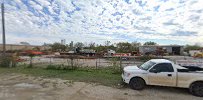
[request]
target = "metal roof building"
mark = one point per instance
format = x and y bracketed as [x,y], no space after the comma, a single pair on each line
[171,49]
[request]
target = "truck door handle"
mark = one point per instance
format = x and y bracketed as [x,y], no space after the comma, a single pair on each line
[169,75]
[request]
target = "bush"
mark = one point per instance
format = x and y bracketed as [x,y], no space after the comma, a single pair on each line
[59,67]
[116,65]
[5,61]
[146,58]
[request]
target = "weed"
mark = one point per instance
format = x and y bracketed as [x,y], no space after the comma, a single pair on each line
[104,76]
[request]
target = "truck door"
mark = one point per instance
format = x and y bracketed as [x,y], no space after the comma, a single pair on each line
[162,74]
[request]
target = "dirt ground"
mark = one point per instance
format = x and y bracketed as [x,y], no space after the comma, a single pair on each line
[24,87]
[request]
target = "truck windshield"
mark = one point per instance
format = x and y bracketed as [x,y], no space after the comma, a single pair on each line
[147,65]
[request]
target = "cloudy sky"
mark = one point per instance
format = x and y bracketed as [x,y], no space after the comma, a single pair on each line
[162,21]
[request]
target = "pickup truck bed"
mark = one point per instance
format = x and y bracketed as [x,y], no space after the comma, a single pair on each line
[184,79]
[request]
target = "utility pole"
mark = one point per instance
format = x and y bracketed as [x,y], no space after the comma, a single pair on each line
[3,30]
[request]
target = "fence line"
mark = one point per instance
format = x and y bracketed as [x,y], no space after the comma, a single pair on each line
[97,63]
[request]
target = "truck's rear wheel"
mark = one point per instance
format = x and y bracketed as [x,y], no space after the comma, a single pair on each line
[137,83]
[197,89]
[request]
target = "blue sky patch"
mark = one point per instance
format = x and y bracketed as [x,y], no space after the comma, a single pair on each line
[127,1]
[141,3]
[156,8]
[117,13]
[184,33]
[170,9]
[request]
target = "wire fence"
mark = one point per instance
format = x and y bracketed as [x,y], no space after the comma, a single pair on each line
[90,63]
[97,63]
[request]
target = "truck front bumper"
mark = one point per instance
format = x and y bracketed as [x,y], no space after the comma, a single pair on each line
[125,79]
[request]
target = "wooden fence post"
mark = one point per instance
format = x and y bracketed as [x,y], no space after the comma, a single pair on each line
[50,61]
[99,61]
[96,63]
[120,63]
[72,63]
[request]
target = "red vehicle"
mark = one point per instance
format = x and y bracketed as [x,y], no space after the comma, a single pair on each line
[122,54]
[33,52]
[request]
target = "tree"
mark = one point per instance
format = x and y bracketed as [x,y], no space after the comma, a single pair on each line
[192,47]
[124,47]
[36,48]
[91,45]
[135,45]
[112,47]
[31,59]
[58,47]
[107,43]
[150,43]
[79,45]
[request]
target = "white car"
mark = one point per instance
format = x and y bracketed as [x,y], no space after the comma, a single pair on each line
[163,72]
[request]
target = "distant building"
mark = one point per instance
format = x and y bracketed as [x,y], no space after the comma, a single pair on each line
[63,41]
[170,49]
[71,45]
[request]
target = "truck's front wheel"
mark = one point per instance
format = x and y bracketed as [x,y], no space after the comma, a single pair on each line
[137,83]
[197,89]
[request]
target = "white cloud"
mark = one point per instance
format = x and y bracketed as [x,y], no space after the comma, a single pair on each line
[93,20]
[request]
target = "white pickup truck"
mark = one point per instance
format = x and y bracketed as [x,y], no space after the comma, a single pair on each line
[163,72]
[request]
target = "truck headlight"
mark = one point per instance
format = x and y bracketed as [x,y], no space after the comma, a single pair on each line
[126,74]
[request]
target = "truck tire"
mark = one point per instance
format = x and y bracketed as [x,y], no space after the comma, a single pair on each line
[197,89]
[137,83]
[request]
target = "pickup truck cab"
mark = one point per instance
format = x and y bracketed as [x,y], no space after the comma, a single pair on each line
[163,72]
